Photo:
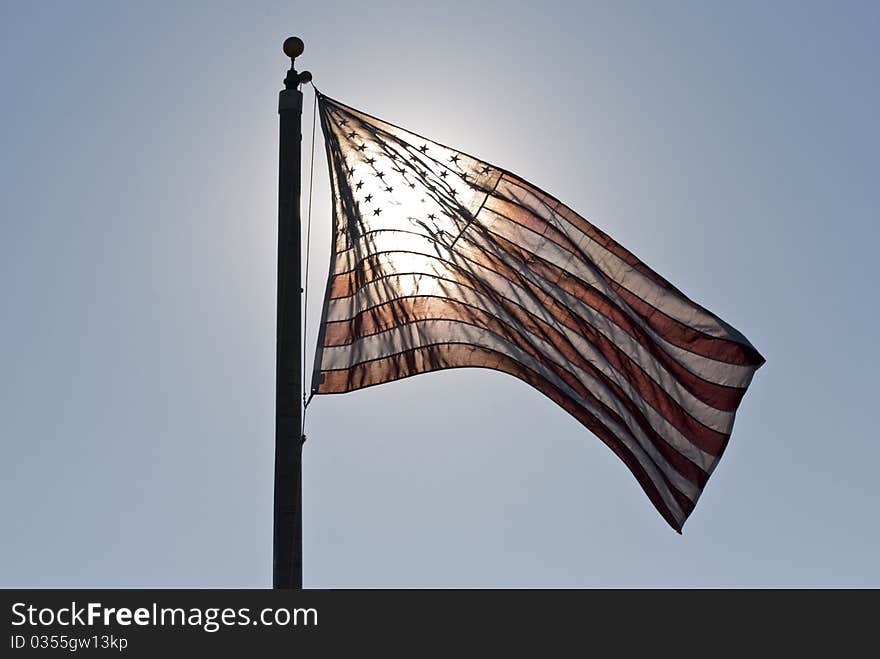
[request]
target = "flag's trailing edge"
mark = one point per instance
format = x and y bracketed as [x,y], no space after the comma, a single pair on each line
[440,260]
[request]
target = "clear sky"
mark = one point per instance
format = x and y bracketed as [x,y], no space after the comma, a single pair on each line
[732,146]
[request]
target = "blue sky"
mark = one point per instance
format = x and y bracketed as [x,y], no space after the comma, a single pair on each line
[732,146]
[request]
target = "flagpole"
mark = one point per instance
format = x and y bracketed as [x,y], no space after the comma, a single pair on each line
[287,535]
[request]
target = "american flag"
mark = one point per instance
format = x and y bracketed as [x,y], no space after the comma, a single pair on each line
[441,260]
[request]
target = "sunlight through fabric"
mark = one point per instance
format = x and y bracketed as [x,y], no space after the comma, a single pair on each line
[441,260]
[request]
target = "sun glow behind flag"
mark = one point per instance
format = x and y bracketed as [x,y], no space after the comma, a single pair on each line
[440,260]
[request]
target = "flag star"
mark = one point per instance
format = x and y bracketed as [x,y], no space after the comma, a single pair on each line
[431,216]
[454,158]
[424,148]
[452,192]
[368,198]
[344,122]
[377,211]
[413,157]
[351,171]
[352,135]
[370,161]
[464,176]
[389,189]
[359,185]
[380,174]
[412,185]
[362,147]
[485,170]
[444,174]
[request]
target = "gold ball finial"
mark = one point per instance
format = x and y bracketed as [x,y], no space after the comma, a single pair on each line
[293,47]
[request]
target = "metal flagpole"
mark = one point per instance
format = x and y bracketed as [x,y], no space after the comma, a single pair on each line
[287,544]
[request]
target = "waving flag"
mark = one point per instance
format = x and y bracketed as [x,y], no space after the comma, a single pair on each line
[441,260]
